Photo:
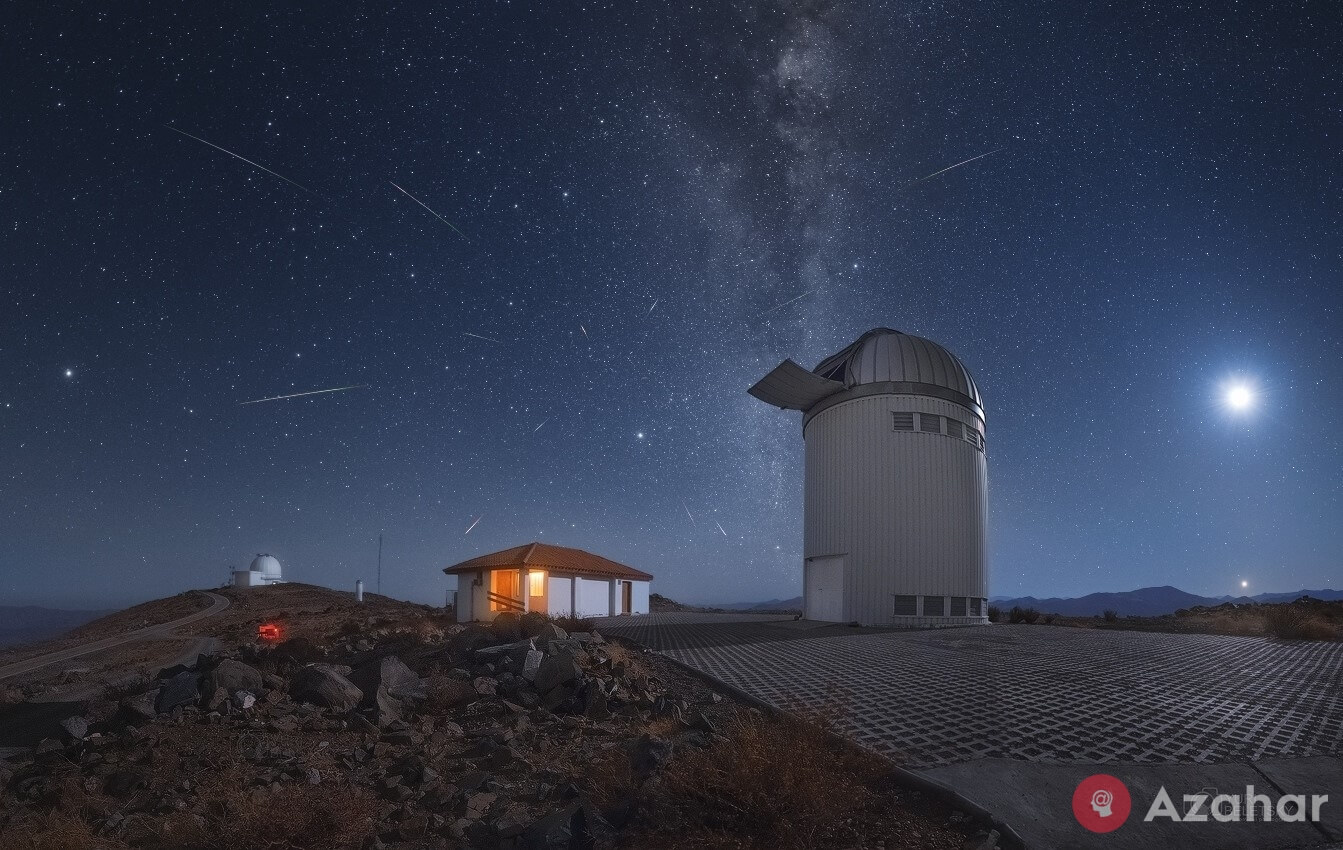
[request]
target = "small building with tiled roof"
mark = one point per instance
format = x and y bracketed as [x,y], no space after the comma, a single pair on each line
[554,580]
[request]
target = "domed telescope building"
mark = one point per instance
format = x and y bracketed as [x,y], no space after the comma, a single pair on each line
[895,484]
[265,570]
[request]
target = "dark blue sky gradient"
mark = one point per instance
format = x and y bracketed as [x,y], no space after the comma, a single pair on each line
[1161,215]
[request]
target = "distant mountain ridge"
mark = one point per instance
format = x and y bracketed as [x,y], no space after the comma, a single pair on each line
[25,623]
[1147,601]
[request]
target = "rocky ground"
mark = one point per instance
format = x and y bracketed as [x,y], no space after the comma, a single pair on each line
[377,731]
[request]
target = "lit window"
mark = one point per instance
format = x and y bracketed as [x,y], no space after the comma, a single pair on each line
[538,583]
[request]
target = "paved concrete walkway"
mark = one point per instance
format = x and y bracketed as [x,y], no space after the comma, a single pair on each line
[1015,716]
[217,603]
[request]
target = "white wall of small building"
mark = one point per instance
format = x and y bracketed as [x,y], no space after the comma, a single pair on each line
[639,597]
[560,601]
[593,597]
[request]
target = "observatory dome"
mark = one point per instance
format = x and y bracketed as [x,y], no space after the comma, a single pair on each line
[885,355]
[267,565]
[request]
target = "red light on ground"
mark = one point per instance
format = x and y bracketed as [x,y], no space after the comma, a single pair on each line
[268,632]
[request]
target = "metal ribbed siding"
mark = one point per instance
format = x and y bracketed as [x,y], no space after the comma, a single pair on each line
[907,509]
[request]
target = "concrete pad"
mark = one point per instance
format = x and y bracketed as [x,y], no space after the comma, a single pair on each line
[1312,775]
[1036,799]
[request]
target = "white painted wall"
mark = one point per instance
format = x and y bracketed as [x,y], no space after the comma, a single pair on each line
[560,601]
[639,597]
[908,510]
[594,597]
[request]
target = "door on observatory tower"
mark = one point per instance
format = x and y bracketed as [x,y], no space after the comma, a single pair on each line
[824,588]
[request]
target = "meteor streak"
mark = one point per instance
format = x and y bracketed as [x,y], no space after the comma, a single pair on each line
[585,332]
[473,525]
[543,422]
[310,392]
[243,158]
[650,309]
[689,514]
[789,301]
[478,336]
[431,212]
[950,167]
[720,527]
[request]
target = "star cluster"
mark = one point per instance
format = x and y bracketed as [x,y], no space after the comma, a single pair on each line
[551,245]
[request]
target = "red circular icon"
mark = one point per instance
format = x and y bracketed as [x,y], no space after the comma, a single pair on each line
[1101,803]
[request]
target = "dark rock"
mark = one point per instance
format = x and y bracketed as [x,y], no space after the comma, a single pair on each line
[595,705]
[566,829]
[123,783]
[76,727]
[507,626]
[391,673]
[139,708]
[649,754]
[531,664]
[451,693]
[462,644]
[555,671]
[552,632]
[386,708]
[321,684]
[299,651]
[233,676]
[181,689]
[532,623]
[485,686]
[216,700]
[702,723]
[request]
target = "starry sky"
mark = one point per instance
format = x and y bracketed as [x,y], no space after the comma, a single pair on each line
[612,219]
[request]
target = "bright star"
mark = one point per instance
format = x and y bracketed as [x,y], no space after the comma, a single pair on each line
[1239,396]
[639,435]
[69,373]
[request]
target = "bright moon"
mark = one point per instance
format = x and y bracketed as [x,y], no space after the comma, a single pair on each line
[1244,584]
[1239,397]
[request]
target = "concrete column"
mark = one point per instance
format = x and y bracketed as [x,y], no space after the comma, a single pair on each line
[524,579]
[615,597]
[573,596]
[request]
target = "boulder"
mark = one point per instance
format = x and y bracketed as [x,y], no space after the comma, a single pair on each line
[385,708]
[451,693]
[532,623]
[556,670]
[182,689]
[531,664]
[552,632]
[562,830]
[473,637]
[233,676]
[507,626]
[139,708]
[322,684]
[390,673]
[76,727]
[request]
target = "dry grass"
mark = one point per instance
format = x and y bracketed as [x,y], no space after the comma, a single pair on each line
[774,782]
[1296,622]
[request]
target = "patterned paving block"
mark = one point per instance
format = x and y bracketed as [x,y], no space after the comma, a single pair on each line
[1037,693]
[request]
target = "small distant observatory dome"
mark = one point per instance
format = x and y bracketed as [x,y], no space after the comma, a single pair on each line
[265,570]
[267,565]
[895,506]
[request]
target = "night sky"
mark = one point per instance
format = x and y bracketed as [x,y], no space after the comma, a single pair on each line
[638,209]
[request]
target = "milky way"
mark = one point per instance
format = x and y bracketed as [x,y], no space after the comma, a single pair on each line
[660,203]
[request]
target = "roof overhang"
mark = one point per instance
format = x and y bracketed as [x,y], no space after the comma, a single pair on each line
[793,387]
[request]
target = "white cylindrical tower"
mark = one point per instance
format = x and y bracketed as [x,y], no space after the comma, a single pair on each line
[895,494]
[359,590]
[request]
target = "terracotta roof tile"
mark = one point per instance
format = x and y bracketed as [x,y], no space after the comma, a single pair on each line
[556,559]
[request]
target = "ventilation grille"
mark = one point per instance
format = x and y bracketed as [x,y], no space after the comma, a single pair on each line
[930,423]
[955,428]
[903,421]
[958,606]
[934,606]
[976,610]
[906,606]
